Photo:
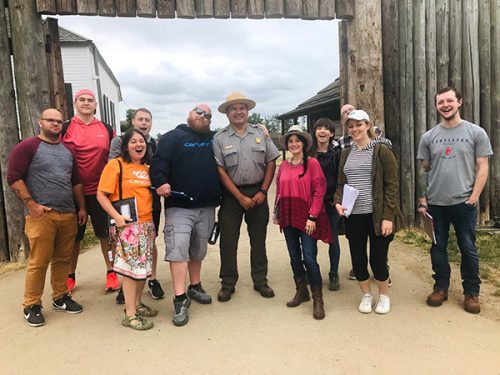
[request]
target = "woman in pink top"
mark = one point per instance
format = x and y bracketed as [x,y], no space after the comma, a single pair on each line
[300,213]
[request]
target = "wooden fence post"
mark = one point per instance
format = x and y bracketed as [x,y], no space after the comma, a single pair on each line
[495,108]
[30,64]
[12,240]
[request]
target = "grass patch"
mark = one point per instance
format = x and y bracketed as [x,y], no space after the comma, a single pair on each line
[89,239]
[487,244]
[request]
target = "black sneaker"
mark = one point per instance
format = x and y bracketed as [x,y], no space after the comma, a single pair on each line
[181,317]
[66,303]
[334,283]
[155,289]
[120,298]
[197,293]
[33,316]
[352,276]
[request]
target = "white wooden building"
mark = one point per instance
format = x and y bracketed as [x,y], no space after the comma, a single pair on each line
[84,67]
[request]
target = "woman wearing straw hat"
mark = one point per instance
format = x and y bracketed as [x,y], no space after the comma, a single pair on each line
[300,213]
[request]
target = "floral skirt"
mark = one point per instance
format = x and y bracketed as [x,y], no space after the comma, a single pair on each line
[133,246]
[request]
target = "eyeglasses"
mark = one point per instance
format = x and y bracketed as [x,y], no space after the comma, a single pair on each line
[53,121]
[203,113]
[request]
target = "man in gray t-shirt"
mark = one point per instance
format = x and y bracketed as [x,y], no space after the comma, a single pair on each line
[454,158]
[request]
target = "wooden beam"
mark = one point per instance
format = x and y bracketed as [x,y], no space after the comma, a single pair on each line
[344,65]
[495,108]
[344,9]
[455,67]
[46,6]
[106,8]
[431,61]
[165,8]
[125,8]
[239,9]
[310,9]
[256,9]
[442,43]
[66,7]
[204,8]
[326,9]
[292,9]
[146,8]
[86,7]
[185,9]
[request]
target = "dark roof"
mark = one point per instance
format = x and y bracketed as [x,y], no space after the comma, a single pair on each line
[324,97]
[69,36]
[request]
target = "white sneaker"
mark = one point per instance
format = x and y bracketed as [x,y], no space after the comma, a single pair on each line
[383,305]
[365,306]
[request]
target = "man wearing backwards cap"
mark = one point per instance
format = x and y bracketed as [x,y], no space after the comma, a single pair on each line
[185,173]
[246,164]
[89,138]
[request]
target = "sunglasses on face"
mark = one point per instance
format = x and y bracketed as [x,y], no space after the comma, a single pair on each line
[203,113]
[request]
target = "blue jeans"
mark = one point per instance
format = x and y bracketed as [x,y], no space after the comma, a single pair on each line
[303,250]
[463,218]
[334,246]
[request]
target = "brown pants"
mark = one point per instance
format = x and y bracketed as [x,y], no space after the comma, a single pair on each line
[51,240]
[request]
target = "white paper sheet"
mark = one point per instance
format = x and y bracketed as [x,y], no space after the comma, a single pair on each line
[350,195]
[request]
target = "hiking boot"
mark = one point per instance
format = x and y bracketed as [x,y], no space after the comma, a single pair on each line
[120,298]
[144,310]
[318,305]
[66,303]
[197,293]
[437,297]
[334,281]
[224,294]
[352,276]
[471,304]
[265,290]
[365,306]
[34,316]
[301,292]
[181,316]
[112,282]
[137,322]
[383,305]
[70,284]
[155,289]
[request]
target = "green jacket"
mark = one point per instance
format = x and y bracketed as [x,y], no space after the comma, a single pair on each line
[385,187]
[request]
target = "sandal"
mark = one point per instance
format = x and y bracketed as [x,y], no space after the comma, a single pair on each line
[145,310]
[136,322]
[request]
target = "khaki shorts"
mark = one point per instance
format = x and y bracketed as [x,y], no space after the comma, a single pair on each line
[186,233]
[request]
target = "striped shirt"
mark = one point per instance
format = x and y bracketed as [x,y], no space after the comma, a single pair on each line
[358,172]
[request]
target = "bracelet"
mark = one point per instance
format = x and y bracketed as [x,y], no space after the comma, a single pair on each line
[422,206]
[311,218]
[263,191]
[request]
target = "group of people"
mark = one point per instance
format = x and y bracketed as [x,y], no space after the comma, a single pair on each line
[79,168]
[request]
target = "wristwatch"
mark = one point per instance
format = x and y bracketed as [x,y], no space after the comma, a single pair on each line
[263,191]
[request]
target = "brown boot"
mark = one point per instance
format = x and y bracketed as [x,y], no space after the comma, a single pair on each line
[471,304]
[318,306]
[302,293]
[437,297]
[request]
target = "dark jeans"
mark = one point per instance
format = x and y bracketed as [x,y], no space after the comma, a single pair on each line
[358,229]
[334,246]
[231,215]
[463,218]
[303,250]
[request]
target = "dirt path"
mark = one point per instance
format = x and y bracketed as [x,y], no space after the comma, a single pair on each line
[253,335]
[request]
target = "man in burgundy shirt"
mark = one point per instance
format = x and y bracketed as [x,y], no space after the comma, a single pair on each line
[48,190]
[89,138]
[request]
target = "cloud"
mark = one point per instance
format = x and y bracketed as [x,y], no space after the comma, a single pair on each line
[171,65]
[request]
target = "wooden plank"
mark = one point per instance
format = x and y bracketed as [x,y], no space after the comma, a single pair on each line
[455,67]
[204,8]
[55,67]
[239,9]
[222,9]
[66,7]
[495,109]
[310,9]
[125,8]
[86,7]
[185,9]
[326,9]
[442,43]
[165,8]
[344,9]
[46,6]
[407,160]
[292,9]
[391,72]
[344,64]
[484,48]
[146,8]
[106,8]
[431,60]
[256,9]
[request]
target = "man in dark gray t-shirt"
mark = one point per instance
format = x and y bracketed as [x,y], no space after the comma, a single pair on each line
[44,176]
[454,158]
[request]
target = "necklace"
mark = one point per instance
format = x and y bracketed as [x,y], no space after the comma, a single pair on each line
[294,164]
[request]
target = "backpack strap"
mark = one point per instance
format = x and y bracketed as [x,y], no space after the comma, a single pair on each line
[65,127]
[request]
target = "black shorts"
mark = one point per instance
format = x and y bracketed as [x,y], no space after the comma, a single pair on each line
[98,216]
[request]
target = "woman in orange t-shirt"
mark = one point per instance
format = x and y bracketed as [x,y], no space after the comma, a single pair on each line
[133,240]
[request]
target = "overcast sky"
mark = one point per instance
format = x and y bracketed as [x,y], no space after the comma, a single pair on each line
[170,65]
